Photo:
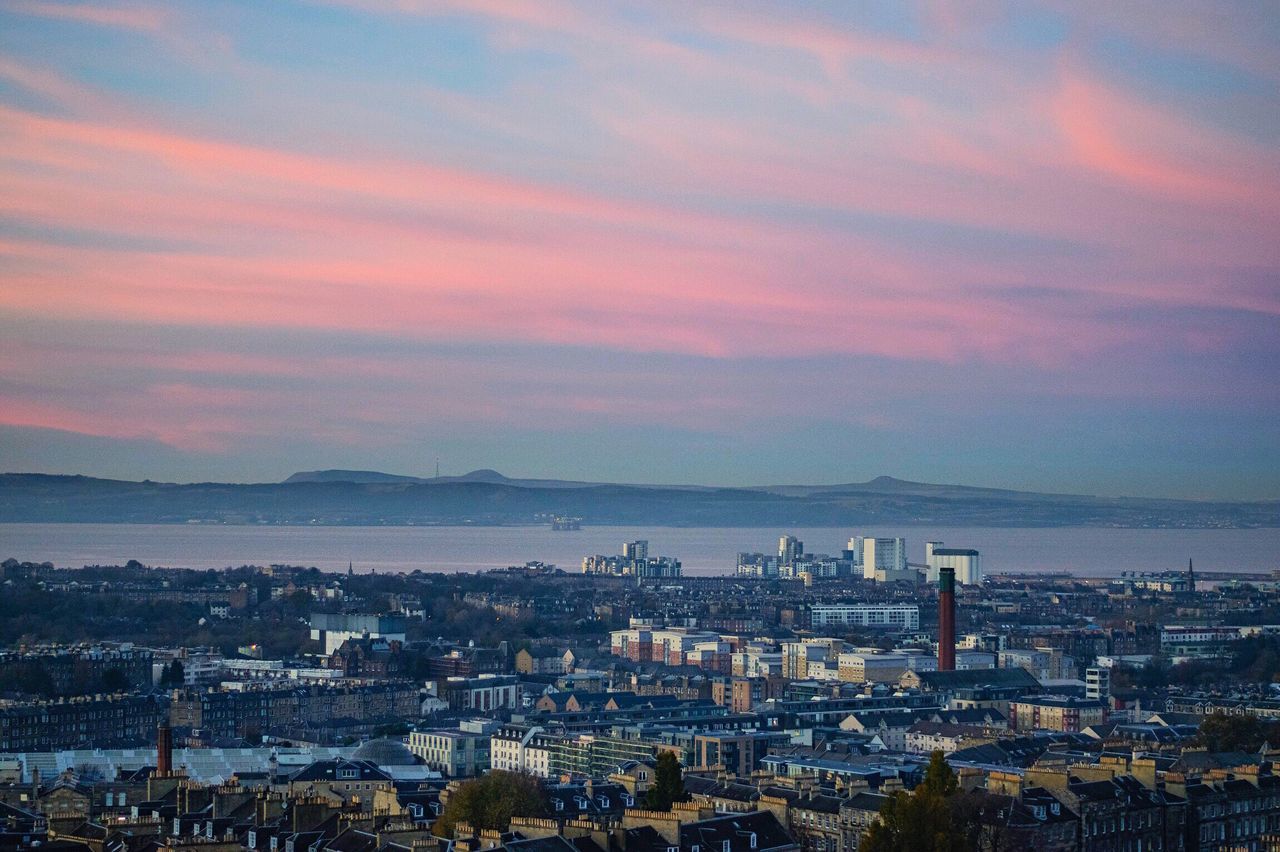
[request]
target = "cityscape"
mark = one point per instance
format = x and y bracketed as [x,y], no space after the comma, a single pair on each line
[800,698]
[565,426]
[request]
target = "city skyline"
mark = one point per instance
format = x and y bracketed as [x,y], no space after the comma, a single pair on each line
[1028,246]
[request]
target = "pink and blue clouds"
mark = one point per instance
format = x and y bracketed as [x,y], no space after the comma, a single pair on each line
[1020,244]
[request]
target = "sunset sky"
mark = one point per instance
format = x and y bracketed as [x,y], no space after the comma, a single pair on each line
[1029,245]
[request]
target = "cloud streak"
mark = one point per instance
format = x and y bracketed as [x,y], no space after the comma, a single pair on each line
[965,192]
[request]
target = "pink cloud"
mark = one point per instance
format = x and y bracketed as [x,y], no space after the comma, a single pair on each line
[132,17]
[1131,141]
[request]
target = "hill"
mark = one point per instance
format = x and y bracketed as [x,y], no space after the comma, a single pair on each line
[486,497]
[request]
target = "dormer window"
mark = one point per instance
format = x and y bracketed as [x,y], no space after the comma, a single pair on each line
[724,846]
[559,804]
[753,840]
[348,773]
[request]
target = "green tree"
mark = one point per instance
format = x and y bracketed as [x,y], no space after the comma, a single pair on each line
[939,780]
[491,801]
[668,784]
[176,674]
[114,680]
[1220,732]
[924,819]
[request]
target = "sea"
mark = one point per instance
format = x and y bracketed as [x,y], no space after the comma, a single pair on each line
[708,551]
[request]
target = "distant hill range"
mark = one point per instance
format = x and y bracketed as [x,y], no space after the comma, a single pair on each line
[355,497]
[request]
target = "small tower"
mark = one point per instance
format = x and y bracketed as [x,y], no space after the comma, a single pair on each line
[1191,577]
[164,748]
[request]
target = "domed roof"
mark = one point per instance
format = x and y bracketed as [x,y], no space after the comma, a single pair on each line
[385,752]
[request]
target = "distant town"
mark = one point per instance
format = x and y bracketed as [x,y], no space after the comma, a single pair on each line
[807,702]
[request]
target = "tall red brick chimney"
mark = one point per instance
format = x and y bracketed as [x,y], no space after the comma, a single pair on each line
[164,749]
[946,619]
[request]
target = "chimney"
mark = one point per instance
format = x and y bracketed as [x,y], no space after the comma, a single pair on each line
[164,748]
[946,619]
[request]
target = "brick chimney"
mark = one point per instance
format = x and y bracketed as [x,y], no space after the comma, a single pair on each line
[946,619]
[164,748]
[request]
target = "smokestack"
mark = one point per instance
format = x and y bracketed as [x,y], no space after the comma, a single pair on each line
[946,619]
[164,749]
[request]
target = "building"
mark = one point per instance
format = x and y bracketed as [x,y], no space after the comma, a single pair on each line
[901,617]
[332,629]
[634,561]
[508,745]
[1097,684]
[86,722]
[1055,713]
[797,656]
[926,737]
[967,563]
[869,667]
[738,752]
[874,555]
[758,565]
[378,659]
[345,778]
[1044,663]
[545,661]
[53,670]
[483,694]
[742,694]
[262,708]
[460,752]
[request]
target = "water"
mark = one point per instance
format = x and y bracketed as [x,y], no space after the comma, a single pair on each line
[707,551]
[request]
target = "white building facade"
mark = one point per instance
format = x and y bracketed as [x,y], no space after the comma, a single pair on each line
[883,616]
[966,562]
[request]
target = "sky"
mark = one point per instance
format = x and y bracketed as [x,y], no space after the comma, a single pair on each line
[1024,244]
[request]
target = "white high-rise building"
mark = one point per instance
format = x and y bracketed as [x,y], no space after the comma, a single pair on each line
[966,562]
[1097,684]
[886,555]
[789,549]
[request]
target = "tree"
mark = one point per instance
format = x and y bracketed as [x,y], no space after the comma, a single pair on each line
[114,680]
[668,784]
[939,780]
[491,801]
[923,820]
[1220,732]
[174,674]
[177,673]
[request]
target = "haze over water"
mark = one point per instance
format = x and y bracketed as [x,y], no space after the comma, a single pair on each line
[704,551]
